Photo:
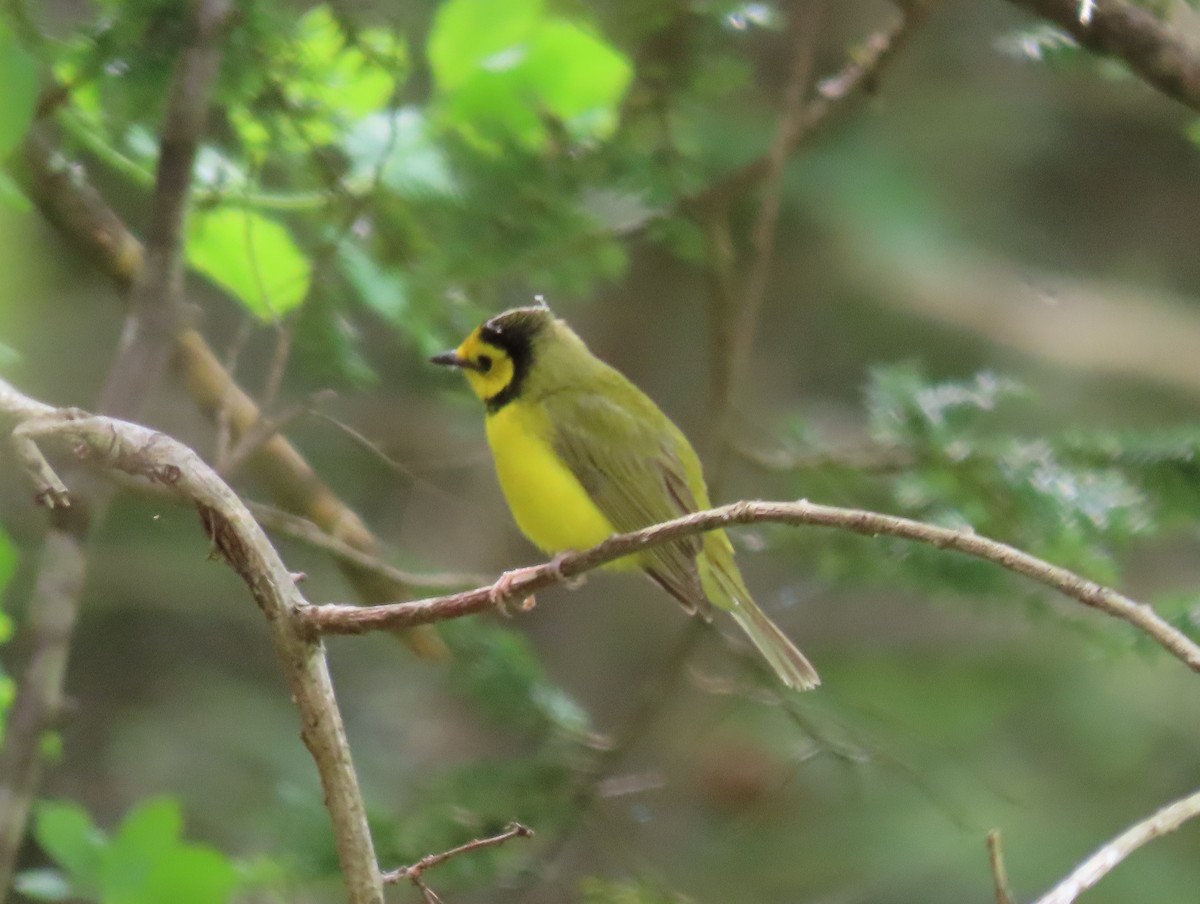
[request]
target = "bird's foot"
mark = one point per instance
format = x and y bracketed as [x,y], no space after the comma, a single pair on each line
[556,564]
[503,588]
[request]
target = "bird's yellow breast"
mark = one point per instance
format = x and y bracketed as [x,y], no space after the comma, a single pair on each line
[549,504]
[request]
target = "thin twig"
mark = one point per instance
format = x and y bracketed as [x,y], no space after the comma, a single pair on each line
[129,448]
[806,19]
[1103,861]
[221,418]
[285,332]
[428,862]
[267,427]
[293,526]
[856,78]
[995,846]
[343,619]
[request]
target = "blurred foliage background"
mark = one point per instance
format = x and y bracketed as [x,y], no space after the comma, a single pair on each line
[980,312]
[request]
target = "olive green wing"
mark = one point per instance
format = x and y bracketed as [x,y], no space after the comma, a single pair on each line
[638,469]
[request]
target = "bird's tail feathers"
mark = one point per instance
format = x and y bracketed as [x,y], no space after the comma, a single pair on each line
[792,667]
[725,587]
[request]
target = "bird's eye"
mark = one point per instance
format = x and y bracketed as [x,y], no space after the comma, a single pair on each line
[485,363]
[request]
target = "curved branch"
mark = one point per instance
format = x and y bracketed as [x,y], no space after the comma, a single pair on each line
[342,619]
[85,218]
[146,454]
[1103,861]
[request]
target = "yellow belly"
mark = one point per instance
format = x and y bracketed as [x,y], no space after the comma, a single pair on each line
[549,505]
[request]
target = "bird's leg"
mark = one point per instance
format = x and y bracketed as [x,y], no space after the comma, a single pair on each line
[572,583]
[504,584]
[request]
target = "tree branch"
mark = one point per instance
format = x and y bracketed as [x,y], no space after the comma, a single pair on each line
[1000,885]
[1159,55]
[132,449]
[154,318]
[342,619]
[155,314]
[1103,861]
[415,871]
[806,20]
[82,215]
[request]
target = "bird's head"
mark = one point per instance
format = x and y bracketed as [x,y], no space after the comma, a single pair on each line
[496,358]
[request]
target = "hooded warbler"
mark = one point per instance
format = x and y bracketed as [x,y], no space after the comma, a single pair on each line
[582,453]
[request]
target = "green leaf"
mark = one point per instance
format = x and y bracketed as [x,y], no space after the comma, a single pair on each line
[503,69]
[8,564]
[18,91]
[340,73]
[145,863]
[396,148]
[12,197]
[189,875]
[577,77]
[66,832]
[470,35]
[148,863]
[148,834]
[251,257]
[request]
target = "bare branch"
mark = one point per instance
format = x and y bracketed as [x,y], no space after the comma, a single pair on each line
[155,313]
[118,445]
[290,479]
[1103,861]
[1164,58]
[995,848]
[806,19]
[342,619]
[858,77]
[68,202]
[267,427]
[48,629]
[414,872]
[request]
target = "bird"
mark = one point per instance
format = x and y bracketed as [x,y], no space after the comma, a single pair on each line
[581,454]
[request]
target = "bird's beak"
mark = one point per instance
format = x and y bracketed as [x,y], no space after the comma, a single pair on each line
[452,359]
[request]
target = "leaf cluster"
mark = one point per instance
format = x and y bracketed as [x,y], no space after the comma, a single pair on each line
[145,861]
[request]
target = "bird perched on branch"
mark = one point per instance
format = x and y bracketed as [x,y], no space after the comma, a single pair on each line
[582,453]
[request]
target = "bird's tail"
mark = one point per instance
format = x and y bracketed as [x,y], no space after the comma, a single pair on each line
[724,586]
[792,667]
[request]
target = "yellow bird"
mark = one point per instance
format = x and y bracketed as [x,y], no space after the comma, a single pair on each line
[582,454]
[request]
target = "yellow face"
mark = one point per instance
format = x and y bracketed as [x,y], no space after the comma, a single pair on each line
[498,355]
[488,368]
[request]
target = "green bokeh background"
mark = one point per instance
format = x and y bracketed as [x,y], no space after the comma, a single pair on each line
[979,212]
